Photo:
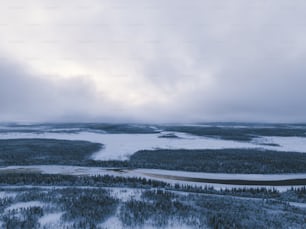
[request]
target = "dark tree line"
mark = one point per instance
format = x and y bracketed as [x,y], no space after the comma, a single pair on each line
[221,161]
[240,133]
[45,151]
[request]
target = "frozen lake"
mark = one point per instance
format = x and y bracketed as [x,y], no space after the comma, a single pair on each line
[121,146]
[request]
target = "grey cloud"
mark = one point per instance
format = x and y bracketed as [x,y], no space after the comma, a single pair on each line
[26,97]
[184,60]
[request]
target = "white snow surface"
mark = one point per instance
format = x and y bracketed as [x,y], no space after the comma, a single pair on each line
[51,220]
[121,146]
[114,223]
[125,194]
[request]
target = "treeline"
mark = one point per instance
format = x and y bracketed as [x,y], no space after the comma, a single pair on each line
[156,210]
[45,151]
[78,127]
[240,133]
[87,207]
[71,180]
[221,160]
[212,160]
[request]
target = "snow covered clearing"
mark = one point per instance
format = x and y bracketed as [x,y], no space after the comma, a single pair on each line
[51,220]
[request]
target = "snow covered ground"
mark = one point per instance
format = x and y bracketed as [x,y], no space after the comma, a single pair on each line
[125,194]
[121,146]
[114,223]
[51,220]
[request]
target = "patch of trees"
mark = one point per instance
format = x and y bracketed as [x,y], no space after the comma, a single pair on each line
[216,161]
[5,202]
[22,218]
[170,135]
[221,161]
[45,151]
[156,207]
[87,207]
[239,133]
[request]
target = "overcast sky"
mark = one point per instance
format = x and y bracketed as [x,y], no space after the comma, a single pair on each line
[153,60]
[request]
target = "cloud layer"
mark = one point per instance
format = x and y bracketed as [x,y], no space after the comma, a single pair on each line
[153,61]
